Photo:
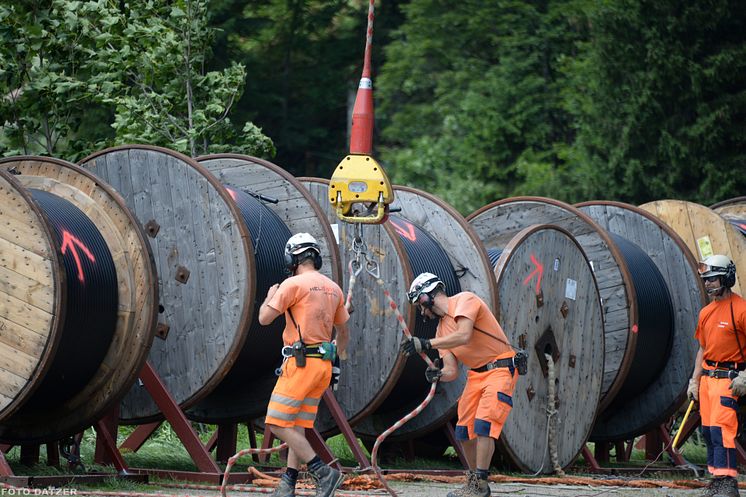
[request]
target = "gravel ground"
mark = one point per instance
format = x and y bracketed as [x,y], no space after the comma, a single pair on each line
[426,489]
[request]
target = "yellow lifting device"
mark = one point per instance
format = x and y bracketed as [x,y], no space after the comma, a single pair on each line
[359,190]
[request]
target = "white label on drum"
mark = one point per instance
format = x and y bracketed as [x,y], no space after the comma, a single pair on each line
[571,289]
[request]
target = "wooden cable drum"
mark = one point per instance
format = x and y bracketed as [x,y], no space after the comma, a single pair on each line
[274,206]
[549,304]
[78,295]
[428,235]
[498,222]
[734,210]
[204,255]
[669,295]
[703,231]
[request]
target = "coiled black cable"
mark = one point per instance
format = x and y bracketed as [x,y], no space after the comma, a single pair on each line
[261,352]
[425,255]
[494,254]
[655,323]
[92,302]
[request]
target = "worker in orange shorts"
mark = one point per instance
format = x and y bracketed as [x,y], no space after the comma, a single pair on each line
[719,376]
[313,305]
[468,332]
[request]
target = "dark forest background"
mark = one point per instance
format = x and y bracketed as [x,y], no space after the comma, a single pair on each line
[475,101]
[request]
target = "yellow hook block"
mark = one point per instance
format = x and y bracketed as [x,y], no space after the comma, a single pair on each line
[360,191]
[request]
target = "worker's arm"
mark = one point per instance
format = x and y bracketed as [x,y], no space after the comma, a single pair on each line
[462,335]
[450,367]
[268,314]
[343,338]
[698,365]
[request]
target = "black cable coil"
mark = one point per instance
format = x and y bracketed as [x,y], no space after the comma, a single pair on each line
[269,234]
[655,323]
[425,255]
[90,312]
[494,254]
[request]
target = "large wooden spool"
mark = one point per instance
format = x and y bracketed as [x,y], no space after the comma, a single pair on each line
[247,396]
[33,293]
[392,386]
[734,210]
[653,406]
[499,222]
[549,304]
[704,231]
[204,256]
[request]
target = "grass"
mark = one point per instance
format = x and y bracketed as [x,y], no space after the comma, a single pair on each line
[164,451]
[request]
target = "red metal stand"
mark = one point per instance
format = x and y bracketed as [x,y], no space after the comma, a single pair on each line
[139,436]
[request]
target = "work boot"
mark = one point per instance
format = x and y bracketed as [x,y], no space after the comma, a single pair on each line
[728,487]
[474,487]
[327,480]
[284,489]
[711,487]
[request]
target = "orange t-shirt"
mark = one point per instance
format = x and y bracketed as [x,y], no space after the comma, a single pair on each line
[317,304]
[482,348]
[715,330]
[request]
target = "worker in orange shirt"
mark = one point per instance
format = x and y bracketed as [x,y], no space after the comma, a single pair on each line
[313,306]
[468,332]
[719,376]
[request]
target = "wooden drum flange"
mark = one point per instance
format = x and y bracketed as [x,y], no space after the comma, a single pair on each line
[136,288]
[549,304]
[194,228]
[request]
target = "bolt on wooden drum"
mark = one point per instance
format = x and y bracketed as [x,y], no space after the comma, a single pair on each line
[669,295]
[703,231]
[206,271]
[79,298]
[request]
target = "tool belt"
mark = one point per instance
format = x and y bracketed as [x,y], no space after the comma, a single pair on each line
[720,373]
[323,350]
[738,366]
[498,363]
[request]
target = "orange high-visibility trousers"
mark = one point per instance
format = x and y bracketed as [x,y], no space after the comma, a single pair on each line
[485,403]
[718,409]
[297,394]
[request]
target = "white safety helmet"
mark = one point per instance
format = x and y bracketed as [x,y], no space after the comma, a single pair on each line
[298,244]
[424,283]
[719,265]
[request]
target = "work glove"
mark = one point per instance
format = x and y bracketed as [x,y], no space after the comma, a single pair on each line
[334,383]
[433,374]
[414,345]
[693,391]
[738,385]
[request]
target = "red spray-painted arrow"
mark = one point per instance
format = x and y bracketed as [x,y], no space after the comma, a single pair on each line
[70,242]
[406,233]
[538,271]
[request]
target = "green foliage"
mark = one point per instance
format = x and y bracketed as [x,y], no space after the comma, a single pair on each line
[471,101]
[149,63]
[43,93]
[304,59]
[71,66]
[658,98]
